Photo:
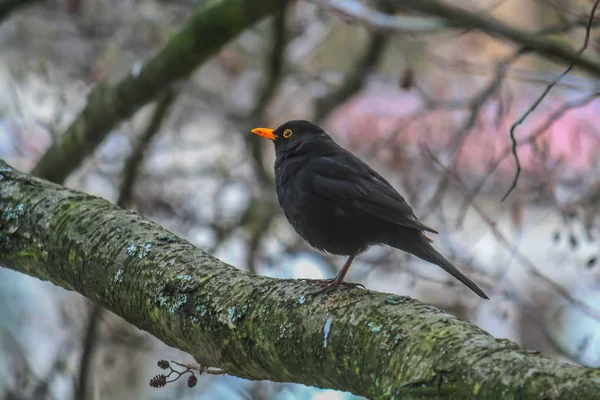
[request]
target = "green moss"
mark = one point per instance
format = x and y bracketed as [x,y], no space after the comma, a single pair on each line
[28,254]
[154,314]
[436,334]
[33,253]
[72,256]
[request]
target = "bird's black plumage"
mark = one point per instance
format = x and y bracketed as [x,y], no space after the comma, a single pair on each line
[339,204]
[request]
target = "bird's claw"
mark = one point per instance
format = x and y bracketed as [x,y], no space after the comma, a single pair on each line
[329,285]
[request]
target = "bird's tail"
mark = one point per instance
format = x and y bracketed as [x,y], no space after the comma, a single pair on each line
[426,252]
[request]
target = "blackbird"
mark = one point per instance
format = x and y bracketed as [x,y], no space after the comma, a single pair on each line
[340,205]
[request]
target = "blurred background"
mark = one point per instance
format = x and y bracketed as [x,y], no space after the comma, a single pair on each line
[432,111]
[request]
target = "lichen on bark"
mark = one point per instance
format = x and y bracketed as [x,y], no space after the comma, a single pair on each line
[381,346]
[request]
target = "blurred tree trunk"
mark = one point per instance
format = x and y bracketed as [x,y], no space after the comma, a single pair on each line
[367,343]
[212,25]
[9,6]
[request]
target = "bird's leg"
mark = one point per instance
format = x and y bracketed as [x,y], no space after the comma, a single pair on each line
[331,284]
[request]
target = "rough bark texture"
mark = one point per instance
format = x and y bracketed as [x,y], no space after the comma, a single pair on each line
[372,344]
[213,25]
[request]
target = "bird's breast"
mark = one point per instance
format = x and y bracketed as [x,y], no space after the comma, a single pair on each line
[324,224]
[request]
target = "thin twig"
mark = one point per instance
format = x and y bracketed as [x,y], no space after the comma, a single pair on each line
[272,79]
[537,102]
[87,356]
[132,165]
[471,19]
[200,369]
[475,105]
[558,113]
[529,265]
[257,231]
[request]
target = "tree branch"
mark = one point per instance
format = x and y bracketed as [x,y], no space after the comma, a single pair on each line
[82,388]
[472,19]
[359,12]
[133,163]
[538,101]
[273,76]
[7,7]
[213,25]
[371,344]
[355,80]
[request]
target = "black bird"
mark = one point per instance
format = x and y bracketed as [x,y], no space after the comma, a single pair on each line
[340,205]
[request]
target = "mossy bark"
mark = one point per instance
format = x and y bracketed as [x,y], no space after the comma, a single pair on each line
[213,24]
[381,346]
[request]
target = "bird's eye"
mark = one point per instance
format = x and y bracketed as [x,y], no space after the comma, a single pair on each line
[287,133]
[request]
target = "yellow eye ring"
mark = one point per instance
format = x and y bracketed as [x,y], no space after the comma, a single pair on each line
[287,133]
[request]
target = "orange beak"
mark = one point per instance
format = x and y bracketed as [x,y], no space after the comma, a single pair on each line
[264,132]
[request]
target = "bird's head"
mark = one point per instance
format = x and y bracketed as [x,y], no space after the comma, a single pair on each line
[292,134]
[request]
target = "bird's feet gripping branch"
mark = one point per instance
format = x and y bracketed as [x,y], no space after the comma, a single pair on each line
[331,284]
[328,285]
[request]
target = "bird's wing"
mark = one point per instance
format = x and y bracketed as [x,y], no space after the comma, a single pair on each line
[353,184]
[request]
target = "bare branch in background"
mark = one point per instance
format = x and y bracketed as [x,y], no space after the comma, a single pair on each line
[570,82]
[42,388]
[529,265]
[356,78]
[357,11]
[258,229]
[536,133]
[272,79]
[475,106]
[82,389]
[471,19]
[257,217]
[133,163]
[213,25]
[537,102]
[7,7]
[585,23]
